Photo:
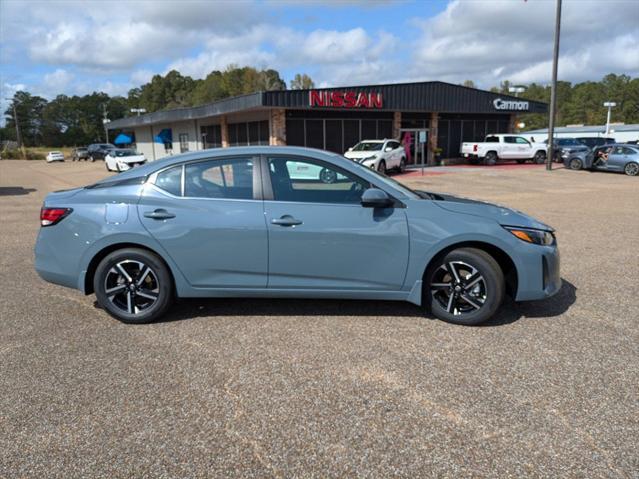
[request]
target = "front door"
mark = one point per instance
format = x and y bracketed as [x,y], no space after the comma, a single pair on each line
[209,222]
[617,158]
[320,237]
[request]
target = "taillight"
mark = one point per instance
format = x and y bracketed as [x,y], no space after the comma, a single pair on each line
[474,147]
[51,216]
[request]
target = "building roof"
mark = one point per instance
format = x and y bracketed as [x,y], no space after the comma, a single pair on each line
[589,128]
[432,96]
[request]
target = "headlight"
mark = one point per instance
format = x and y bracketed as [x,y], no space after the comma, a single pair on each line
[544,238]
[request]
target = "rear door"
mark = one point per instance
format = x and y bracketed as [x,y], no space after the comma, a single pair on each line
[617,158]
[207,216]
[508,148]
[320,237]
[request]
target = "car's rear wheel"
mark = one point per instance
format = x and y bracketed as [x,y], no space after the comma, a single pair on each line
[491,158]
[381,168]
[464,287]
[133,285]
[540,157]
[631,169]
[576,164]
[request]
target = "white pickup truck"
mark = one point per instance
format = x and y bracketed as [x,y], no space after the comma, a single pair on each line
[504,147]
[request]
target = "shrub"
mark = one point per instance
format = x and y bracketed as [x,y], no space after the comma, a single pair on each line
[16,154]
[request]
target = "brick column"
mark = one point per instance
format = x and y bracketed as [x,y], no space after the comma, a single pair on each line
[277,127]
[512,123]
[433,131]
[224,132]
[397,124]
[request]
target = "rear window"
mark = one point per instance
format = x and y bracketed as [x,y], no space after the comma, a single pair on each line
[170,180]
[492,139]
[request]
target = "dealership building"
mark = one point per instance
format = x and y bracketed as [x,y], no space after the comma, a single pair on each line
[425,116]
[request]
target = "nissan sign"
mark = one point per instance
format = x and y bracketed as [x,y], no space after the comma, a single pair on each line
[510,104]
[344,99]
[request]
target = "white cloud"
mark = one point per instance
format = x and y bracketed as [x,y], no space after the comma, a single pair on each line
[501,39]
[58,80]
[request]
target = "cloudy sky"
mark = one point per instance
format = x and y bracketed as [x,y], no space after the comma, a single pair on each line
[75,47]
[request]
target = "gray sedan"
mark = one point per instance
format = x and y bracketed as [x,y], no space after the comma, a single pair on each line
[617,157]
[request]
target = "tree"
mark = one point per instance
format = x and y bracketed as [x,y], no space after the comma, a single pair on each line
[469,84]
[302,82]
[29,111]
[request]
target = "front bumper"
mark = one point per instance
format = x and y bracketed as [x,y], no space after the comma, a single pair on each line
[541,277]
[127,166]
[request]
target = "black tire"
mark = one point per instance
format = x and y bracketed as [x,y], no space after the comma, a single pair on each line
[520,161]
[402,165]
[631,169]
[491,158]
[381,167]
[486,293]
[326,176]
[106,165]
[539,158]
[159,279]
[575,164]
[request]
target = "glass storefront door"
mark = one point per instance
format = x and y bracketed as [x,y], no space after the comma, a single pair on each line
[415,143]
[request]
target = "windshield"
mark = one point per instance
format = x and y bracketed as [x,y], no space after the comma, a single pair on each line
[390,182]
[125,153]
[368,146]
[568,142]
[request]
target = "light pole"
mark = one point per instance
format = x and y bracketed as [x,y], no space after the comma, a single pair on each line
[138,110]
[553,90]
[610,105]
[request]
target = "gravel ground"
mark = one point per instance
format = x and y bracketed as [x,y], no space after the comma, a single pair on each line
[284,388]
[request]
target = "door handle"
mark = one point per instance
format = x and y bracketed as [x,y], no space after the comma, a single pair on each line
[286,220]
[159,214]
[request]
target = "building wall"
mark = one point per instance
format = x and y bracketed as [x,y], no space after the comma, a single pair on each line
[144,142]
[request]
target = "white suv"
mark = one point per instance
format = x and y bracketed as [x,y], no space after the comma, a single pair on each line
[380,155]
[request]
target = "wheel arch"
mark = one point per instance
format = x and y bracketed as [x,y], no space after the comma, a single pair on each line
[101,254]
[507,265]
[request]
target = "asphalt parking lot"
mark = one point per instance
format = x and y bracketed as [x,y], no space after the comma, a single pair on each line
[292,388]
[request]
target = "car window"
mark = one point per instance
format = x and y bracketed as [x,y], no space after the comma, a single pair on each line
[521,141]
[311,181]
[230,178]
[170,180]
[492,139]
[393,144]
[509,139]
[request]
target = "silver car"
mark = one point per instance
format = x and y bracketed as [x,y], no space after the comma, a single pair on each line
[621,158]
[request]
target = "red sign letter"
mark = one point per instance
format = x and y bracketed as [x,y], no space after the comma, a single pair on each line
[315,98]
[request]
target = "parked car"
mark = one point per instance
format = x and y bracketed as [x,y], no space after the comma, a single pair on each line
[621,158]
[503,147]
[80,153]
[381,155]
[122,159]
[566,147]
[594,141]
[55,156]
[233,223]
[97,151]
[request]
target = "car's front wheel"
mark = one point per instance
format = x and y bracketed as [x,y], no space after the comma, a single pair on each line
[465,287]
[402,165]
[575,164]
[381,168]
[631,169]
[133,285]
[540,157]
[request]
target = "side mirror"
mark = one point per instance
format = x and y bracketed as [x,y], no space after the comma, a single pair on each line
[350,149]
[376,198]
[388,148]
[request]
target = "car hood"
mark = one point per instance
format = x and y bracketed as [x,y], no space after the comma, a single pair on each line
[501,214]
[359,155]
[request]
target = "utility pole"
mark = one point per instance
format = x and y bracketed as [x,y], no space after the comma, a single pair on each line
[18,136]
[553,91]
[105,121]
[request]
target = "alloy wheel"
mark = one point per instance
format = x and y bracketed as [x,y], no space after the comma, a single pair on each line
[132,286]
[459,288]
[632,169]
